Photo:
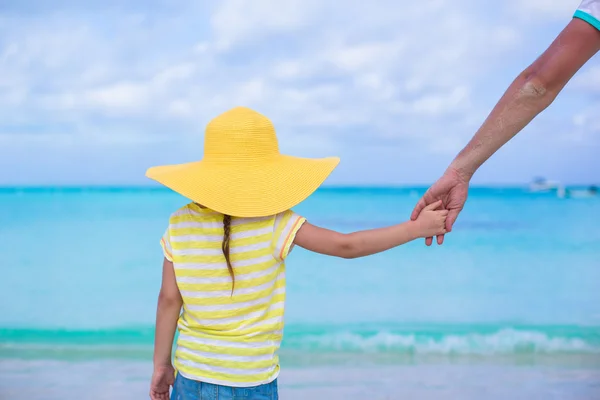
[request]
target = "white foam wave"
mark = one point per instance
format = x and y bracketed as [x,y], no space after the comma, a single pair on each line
[505,341]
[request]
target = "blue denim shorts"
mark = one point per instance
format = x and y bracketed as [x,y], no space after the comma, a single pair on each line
[187,389]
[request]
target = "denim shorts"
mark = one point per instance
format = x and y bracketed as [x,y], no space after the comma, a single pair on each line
[187,389]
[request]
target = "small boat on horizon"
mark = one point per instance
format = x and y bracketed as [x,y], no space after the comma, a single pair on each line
[543,185]
[591,191]
[540,184]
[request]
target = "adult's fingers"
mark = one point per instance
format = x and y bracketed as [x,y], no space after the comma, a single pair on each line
[452,215]
[440,239]
[418,208]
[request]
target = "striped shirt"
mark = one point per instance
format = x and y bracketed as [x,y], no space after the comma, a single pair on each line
[589,11]
[229,339]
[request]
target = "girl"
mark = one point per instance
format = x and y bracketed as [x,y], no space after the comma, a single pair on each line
[225,253]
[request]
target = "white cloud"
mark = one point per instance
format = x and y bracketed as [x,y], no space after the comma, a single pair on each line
[587,118]
[239,20]
[345,65]
[180,109]
[322,70]
[456,99]
[175,73]
[588,79]
[540,9]
[125,96]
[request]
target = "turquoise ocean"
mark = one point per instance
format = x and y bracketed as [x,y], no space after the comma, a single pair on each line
[508,307]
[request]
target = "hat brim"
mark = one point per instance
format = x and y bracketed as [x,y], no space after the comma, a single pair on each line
[250,190]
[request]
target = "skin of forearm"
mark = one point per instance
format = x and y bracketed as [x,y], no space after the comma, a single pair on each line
[532,91]
[525,98]
[167,314]
[365,243]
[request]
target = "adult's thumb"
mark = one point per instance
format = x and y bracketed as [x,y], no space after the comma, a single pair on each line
[417,210]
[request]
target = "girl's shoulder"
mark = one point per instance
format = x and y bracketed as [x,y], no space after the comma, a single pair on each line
[193,212]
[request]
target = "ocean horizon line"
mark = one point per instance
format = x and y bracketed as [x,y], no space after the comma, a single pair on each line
[324,187]
[375,188]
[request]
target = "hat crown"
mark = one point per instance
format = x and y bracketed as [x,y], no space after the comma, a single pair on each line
[240,134]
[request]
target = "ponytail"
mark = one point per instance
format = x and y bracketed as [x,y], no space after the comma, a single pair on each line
[225,247]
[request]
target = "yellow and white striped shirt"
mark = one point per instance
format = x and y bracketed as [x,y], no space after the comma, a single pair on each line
[224,339]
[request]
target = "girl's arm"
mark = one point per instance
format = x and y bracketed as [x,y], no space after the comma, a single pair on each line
[167,314]
[364,243]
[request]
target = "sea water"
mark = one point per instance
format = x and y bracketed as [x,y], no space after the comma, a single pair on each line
[507,307]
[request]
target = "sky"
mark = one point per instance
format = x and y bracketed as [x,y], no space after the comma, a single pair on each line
[95,92]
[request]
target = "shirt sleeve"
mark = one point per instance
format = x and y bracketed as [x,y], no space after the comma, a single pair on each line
[287,225]
[165,243]
[589,11]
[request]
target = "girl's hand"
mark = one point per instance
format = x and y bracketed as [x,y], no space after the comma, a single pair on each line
[162,378]
[431,221]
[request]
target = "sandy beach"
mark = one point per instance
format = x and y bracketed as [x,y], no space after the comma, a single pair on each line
[111,380]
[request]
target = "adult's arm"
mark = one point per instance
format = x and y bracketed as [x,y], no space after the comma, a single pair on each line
[529,94]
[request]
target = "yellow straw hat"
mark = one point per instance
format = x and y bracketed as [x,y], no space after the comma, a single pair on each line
[242,173]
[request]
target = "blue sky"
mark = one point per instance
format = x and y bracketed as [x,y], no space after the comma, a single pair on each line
[94,92]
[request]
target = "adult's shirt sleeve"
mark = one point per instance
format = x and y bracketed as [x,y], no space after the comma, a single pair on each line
[589,11]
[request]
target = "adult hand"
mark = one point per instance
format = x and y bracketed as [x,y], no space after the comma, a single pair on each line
[452,189]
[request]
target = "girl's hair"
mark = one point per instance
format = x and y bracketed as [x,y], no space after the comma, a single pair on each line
[225,247]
